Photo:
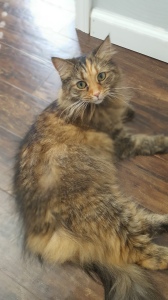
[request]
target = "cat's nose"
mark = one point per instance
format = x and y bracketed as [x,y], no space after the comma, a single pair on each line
[96,94]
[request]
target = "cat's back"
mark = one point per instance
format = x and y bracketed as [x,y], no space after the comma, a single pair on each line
[53,135]
[52,145]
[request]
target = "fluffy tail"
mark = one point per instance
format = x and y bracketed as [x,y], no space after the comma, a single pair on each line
[124,283]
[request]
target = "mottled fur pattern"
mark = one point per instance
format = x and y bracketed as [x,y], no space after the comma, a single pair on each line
[66,185]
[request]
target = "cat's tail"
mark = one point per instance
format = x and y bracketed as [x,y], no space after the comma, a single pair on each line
[129,282]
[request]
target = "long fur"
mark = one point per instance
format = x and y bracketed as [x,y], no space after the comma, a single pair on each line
[66,186]
[128,282]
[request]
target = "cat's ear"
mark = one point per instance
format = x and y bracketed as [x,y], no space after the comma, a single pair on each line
[105,50]
[63,66]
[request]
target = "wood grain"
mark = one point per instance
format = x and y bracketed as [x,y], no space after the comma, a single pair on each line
[50,88]
[21,70]
[24,31]
[8,145]
[18,109]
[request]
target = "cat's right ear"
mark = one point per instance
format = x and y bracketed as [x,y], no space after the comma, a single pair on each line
[63,66]
[105,50]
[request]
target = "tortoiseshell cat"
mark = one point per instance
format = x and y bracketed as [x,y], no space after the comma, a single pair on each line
[66,184]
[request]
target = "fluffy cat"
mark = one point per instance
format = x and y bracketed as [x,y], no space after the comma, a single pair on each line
[66,185]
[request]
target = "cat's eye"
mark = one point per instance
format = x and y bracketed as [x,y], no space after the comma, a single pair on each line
[101,76]
[81,85]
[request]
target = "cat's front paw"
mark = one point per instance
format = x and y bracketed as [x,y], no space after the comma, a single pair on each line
[161,144]
[166,142]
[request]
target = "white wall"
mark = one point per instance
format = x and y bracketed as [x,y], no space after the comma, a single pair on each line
[154,12]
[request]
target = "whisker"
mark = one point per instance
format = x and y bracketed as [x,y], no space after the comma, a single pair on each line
[84,108]
[115,95]
[69,107]
[73,110]
[77,110]
[92,110]
[85,104]
[120,98]
[127,87]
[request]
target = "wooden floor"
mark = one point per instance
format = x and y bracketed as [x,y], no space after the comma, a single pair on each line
[31,31]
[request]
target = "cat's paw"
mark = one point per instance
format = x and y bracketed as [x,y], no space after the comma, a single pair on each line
[166,143]
[161,144]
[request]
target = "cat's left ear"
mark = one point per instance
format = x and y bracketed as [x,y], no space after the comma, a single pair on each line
[63,66]
[105,50]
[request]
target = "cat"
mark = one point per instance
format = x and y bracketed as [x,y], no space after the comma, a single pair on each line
[66,186]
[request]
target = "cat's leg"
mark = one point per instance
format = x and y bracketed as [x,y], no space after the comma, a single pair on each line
[153,257]
[142,251]
[144,221]
[128,113]
[127,145]
[155,223]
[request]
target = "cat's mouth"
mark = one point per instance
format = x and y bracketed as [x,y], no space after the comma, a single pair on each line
[98,101]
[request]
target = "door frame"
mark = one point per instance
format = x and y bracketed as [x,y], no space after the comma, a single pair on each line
[83,11]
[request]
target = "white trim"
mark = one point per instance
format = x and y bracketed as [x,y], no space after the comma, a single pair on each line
[83,10]
[129,33]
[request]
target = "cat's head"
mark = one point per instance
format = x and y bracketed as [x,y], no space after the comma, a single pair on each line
[90,78]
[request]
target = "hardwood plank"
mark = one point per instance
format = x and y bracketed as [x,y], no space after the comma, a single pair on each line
[18,109]
[69,31]
[36,12]
[10,290]
[23,32]
[155,67]
[45,43]
[143,79]
[8,146]
[21,70]
[144,180]
[150,114]
[48,91]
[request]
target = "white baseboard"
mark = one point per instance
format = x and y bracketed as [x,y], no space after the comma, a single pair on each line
[129,33]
